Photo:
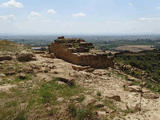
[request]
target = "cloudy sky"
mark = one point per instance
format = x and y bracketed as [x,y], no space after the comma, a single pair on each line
[80,16]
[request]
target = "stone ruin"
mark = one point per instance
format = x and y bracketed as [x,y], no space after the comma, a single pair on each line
[77,51]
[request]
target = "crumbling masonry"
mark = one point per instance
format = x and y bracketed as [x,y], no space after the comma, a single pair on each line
[77,51]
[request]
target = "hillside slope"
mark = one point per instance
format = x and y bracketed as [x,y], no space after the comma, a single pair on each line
[44,88]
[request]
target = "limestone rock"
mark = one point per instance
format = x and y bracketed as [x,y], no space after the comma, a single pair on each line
[88,100]
[25,57]
[11,72]
[132,79]
[6,87]
[66,81]
[51,66]
[107,110]
[99,104]
[2,62]
[2,75]
[22,76]
[5,57]
[52,55]
[150,96]
[60,99]
[132,88]
[74,98]
[115,97]
[28,69]
[137,108]
[80,68]
[60,83]
[101,114]
[90,70]
[46,70]
[55,72]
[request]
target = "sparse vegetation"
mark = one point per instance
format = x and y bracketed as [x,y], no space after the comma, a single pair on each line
[109,74]
[27,92]
[49,92]
[26,78]
[81,113]
[109,103]
[21,116]
[81,98]
[98,93]
[44,93]
[8,46]
[147,61]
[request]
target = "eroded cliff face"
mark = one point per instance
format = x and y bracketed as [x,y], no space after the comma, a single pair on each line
[77,51]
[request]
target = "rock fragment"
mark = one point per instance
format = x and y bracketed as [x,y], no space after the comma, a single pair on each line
[5,57]
[25,57]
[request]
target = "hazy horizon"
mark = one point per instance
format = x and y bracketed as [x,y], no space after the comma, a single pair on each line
[78,34]
[79,17]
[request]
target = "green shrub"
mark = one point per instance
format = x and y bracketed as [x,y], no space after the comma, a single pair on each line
[21,116]
[110,104]
[99,94]
[81,98]
[147,61]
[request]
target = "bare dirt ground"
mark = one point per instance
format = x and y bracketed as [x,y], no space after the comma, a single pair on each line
[134,48]
[108,82]
[6,87]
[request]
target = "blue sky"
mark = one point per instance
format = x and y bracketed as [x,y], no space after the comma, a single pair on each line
[80,16]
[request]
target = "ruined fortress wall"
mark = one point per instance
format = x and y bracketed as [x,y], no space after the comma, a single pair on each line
[64,53]
[95,61]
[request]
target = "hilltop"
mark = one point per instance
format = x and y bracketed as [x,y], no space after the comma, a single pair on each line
[43,87]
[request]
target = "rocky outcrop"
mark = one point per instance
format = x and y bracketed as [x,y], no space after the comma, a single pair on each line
[77,51]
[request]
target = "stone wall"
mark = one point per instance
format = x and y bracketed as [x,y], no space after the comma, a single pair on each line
[99,60]
[95,61]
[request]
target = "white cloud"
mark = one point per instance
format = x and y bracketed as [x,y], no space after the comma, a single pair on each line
[79,15]
[42,25]
[76,27]
[145,19]
[130,4]
[149,19]
[12,4]
[51,11]
[158,8]
[8,17]
[34,15]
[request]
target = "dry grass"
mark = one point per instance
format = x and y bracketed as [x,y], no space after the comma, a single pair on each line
[9,46]
[25,101]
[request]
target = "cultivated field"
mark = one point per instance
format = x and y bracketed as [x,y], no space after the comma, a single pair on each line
[134,48]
